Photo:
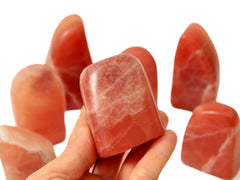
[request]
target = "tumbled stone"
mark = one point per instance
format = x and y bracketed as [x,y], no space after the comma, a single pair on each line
[121,108]
[212,140]
[196,69]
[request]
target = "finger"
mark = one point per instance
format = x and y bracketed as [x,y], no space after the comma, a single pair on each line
[108,167]
[77,158]
[152,163]
[164,119]
[132,159]
[90,176]
[147,161]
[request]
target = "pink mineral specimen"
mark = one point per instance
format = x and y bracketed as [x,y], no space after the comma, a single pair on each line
[120,104]
[212,140]
[68,55]
[23,152]
[196,69]
[149,65]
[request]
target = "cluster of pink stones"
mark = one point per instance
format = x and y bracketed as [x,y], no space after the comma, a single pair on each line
[212,138]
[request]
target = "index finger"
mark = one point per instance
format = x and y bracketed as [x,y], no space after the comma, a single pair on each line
[78,157]
[147,161]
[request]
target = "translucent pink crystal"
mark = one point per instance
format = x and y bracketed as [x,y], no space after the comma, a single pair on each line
[212,140]
[120,104]
[196,69]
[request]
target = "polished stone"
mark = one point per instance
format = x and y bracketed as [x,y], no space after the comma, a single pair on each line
[149,65]
[23,152]
[212,140]
[120,104]
[68,55]
[196,69]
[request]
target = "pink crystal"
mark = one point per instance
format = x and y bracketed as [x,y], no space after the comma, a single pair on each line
[196,69]
[120,104]
[149,65]
[212,140]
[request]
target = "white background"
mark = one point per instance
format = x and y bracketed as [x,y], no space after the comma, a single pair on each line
[26,29]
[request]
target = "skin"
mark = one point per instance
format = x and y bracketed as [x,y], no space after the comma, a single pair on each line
[80,160]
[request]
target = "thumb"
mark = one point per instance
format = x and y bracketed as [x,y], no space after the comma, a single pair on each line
[78,157]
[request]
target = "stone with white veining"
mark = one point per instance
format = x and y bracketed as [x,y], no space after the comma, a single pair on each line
[120,104]
[212,140]
[196,69]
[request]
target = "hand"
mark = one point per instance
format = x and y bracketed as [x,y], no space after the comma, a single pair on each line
[80,160]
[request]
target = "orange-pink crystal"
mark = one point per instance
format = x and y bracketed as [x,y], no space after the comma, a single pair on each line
[120,104]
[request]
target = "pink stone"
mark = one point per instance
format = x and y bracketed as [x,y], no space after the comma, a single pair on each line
[23,152]
[212,140]
[149,65]
[120,104]
[196,69]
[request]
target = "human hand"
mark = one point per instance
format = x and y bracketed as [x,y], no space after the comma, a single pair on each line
[80,160]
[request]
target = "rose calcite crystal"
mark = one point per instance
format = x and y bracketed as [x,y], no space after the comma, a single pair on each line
[196,69]
[120,104]
[38,102]
[149,65]
[23,152]
[68,55]
[212,140]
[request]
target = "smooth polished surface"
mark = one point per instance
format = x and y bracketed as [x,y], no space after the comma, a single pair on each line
[69,55]
[22,152]
[196,69]
[119,102]
[212,140]
[149,65]
[111,27]
[38,102]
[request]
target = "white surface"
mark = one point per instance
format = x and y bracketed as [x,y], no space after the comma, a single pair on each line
[27,27]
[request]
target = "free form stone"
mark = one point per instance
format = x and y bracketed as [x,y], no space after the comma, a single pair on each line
[196,69]
[120,104]
[212,140]
[23,152]
[149,65]
[68,55]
